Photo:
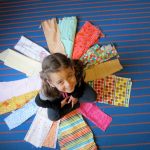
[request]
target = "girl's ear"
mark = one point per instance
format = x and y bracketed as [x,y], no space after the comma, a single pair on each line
[50,83]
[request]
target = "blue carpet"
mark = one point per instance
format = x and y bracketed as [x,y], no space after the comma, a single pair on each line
[126,23]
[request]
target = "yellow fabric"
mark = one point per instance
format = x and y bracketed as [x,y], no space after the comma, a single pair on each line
[120,92]
[20,62]
[102,70]
[16,102]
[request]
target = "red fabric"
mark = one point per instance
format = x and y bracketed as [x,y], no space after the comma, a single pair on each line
[85,38]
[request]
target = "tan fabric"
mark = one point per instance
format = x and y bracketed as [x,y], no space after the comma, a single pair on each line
[102,70]
[52,35]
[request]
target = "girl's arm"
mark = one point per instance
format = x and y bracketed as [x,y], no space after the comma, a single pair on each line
[55,104]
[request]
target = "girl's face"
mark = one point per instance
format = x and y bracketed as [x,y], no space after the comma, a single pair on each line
[64,80]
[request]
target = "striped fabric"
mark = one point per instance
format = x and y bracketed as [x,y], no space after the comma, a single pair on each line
[75,134]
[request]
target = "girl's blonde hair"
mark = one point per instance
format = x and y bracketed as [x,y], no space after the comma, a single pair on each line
[54,63]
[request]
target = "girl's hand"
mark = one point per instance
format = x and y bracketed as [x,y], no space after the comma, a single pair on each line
[72,100]
[64,102]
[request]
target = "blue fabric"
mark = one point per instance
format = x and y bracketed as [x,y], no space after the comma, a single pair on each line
[126,23]
[19,116]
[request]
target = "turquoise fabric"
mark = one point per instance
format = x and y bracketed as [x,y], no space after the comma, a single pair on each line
[67,27]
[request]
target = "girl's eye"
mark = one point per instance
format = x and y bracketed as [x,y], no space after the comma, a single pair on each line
[60,82]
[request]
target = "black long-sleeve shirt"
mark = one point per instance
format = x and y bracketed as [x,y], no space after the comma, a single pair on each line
[56,103]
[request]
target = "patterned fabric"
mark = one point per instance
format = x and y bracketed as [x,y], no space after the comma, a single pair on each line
[67,27]
[20,62]
[98,86]
[109,86]
[113,90]
[19,116]
[122,86]
[39,128]
[85,38]
[19,87]
[51,138]
[97,54]
[16,102]
[94,114]
[74,133]
[102,70]
[31,49]
[52,35]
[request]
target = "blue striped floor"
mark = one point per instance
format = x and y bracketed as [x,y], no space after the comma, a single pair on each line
[126,23]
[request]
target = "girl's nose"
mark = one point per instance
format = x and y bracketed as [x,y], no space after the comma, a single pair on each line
[67,84]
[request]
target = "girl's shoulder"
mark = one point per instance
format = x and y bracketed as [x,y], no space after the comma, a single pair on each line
[44,97]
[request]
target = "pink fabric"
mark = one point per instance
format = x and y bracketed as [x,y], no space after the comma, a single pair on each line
[85,38]
[94,114]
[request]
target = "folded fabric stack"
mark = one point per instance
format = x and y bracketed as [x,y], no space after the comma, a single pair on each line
[101,62]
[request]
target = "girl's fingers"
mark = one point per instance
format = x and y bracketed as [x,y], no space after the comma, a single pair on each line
[72,104]
[69,100]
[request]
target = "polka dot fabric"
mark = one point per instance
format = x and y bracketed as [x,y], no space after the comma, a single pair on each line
[113,90]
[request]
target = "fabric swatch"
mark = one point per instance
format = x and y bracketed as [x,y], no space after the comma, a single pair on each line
[122,86]
[19,87]
[16,102]
[67,27]
[74,133]
[39,128]
[31,49]
[113,90]
[97,54]
[52,35]
[85,38]
[102,70]
[109,86]
[20,62]
[51,138]
[19,116]
[94,114]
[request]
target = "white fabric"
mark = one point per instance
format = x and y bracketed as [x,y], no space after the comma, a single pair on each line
[31,49]
[39,128]
[19,87]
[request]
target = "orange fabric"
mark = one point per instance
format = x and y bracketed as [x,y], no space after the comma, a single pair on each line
[85,38]
[51,138]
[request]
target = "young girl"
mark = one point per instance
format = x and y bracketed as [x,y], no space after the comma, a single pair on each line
[63,86]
